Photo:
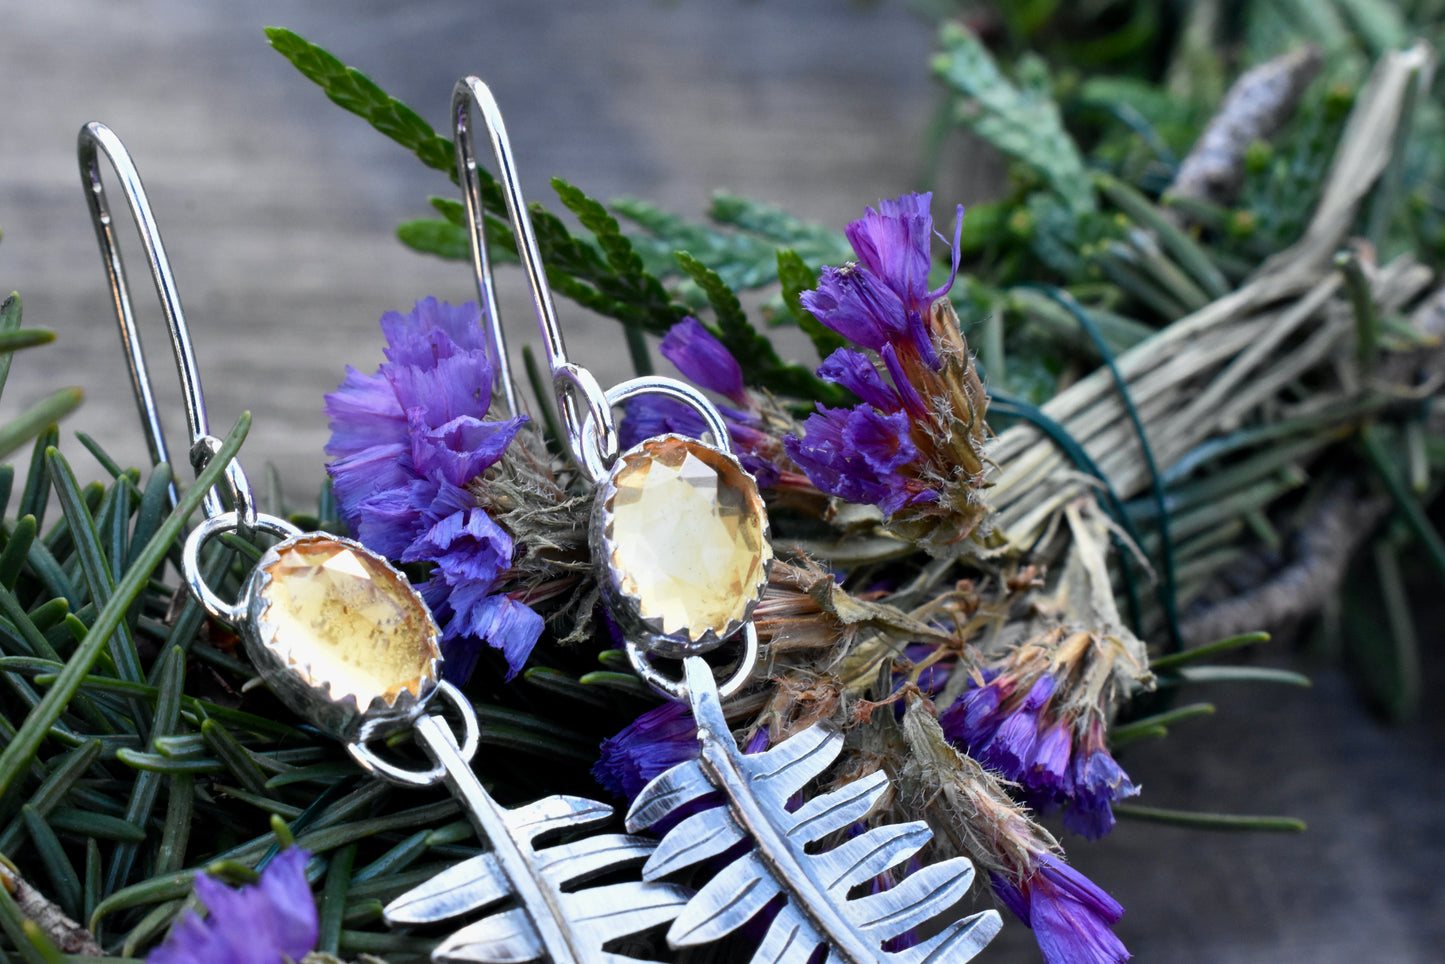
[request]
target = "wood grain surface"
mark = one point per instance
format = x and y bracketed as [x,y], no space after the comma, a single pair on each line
[279,211]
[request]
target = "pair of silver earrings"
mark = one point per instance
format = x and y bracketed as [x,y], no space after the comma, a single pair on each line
[344,640]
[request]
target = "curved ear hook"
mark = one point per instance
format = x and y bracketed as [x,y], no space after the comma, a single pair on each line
[94,139]
[591,435]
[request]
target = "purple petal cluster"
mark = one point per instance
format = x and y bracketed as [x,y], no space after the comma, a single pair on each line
[883,298]
[406,442]
[1012,730]
[870,453]
[1071,917]
[652,744]
[703,360]
[649,746]
[860,454]
[270,922]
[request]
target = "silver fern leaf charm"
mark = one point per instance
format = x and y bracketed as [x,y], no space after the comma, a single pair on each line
[543,921]
[818,912]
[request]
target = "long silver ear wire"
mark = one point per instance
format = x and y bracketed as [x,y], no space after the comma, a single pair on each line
[96,139]
[590,431]
[477,236]
[568,380]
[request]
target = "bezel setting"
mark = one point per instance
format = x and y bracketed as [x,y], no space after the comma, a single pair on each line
[628,609]
[290,668]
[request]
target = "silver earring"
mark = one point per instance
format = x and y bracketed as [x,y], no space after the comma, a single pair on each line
[344,641]
[628,538]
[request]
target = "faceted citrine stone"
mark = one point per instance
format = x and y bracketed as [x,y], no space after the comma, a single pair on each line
[339,615]
[687,536]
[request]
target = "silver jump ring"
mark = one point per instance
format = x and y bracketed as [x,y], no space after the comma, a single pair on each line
[677,689]
[191,559]
[243,498]
[674,389]
[368,760]
[594,450]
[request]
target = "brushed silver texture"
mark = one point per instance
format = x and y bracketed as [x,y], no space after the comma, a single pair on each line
[540,919]
[756,789]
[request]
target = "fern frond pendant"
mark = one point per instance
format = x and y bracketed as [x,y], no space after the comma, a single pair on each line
[817,911]
[545,922]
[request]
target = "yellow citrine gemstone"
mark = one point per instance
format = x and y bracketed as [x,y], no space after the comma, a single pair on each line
[341,616]
[688,536]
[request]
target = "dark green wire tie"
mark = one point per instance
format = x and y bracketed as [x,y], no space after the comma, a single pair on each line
[1006,404]
[1168,597]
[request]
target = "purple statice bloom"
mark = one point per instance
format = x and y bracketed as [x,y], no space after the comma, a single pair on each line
[882,303]
[647,416]
[703,359]
[270,922]
[1071,916]
[1030,745]
[858,306]
[855,372]
[856,453]
[652,744]
[406,442]
[893,244]
[866,453]
[1095,781]
[883,298]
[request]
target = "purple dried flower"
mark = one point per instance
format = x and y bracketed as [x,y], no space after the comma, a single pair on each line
[918,452]
[1029,722]
[858,306]
[704,360]
[893,243]
[856,453]
[655,742]
[269,922]
[406,443]
[1070,915]
[855,372]
[883,299]
[652,415]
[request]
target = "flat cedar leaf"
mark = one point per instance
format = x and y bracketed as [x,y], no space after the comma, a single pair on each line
[1022,122]
[796,277]
[574,267]
[9,323]
[501,246]
[451,209]
[816,243]
[1054,235]
[743,262]
[745,258]
[605,231]
[754,352]
[734,324]
[430,236]
[630,281]
[353,90]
